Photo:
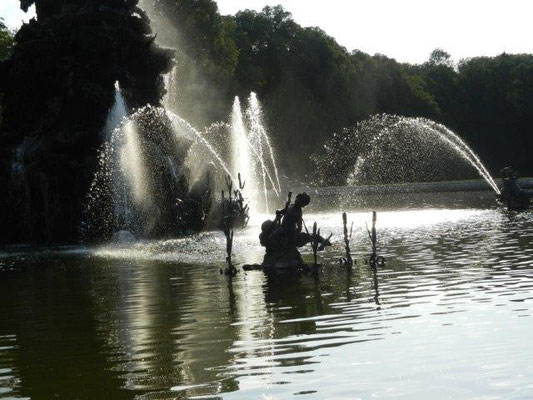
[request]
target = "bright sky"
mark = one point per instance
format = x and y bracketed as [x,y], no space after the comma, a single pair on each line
[12,14]
[407,30]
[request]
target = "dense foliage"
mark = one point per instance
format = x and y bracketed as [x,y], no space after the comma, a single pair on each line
[311,86]
[6,40]
[58,87]
[6,45]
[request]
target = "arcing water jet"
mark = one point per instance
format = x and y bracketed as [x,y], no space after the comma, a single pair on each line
[393,149]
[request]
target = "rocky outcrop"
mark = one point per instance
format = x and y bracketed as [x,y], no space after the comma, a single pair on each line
[58,88]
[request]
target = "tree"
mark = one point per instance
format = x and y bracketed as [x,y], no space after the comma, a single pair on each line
[206,56]
[6,46]
[6,40]
[440,57]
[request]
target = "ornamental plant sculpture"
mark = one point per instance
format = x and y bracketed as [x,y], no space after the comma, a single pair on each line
[346,261]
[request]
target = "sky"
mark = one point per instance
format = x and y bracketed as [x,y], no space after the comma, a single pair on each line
[12,14]
[407,30]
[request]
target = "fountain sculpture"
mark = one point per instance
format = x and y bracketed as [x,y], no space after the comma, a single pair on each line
[282,237]
[158,174]
[142,185]
[512,196]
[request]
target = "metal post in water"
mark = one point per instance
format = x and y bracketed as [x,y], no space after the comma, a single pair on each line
[374,241]
[348,261]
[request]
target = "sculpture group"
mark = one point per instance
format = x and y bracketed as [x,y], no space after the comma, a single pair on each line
[284,235]
[512,196]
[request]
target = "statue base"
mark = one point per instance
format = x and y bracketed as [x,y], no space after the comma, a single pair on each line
[303,269]
[289,258]
[520,203]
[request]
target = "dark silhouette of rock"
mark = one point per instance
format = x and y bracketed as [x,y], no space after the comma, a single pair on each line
[59,87]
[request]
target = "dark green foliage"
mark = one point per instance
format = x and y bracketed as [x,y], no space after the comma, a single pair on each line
[440,57]
[58,87]
[206,59]
[311,86]
[6,40]
[6,45]
[498,94]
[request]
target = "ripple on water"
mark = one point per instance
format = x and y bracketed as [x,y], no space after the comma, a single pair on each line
[449,316]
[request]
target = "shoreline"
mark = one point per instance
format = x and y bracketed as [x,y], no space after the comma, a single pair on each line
[418,187]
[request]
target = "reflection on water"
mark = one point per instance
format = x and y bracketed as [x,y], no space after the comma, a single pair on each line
[156,320]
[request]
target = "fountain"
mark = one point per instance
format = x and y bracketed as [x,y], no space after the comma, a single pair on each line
[117,113]
[157,172]
[241,146]
[184,129]
[244,147]
[251,153]
[260,143]
[142,185]
[393,149]
[241,153]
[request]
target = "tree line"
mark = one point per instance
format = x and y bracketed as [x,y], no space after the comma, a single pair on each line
[312,87]
[6,45]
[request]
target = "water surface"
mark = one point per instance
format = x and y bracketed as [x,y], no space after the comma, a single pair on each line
[449,316]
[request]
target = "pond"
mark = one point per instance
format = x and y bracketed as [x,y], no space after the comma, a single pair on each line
[448,317]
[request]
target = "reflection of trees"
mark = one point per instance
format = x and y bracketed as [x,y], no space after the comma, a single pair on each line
[167,325]
[58,353]
[116,329]
[97,329]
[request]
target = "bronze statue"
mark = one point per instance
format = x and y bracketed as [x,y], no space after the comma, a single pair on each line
[512,196]
[284,235]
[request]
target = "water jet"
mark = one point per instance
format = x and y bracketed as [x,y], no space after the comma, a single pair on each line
[393,149]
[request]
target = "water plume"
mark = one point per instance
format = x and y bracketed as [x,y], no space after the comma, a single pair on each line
[241,154]
[117,113]
[182,127]
[240,151]
[393,149]
[143,184]
[157,172]
[461,147]
[260,144]
[256,115]
[132,164]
